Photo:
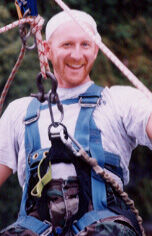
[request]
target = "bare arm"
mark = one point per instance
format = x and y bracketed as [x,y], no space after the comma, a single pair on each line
[149,127]
[5,172]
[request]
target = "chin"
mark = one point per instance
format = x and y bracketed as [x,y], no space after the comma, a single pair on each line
[76,83]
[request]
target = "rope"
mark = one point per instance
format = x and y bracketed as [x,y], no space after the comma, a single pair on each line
[98,170]
[36,26]
[130,76]
[11,77]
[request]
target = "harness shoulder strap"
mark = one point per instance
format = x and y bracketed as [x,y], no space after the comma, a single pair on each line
[32,137]
[89,137]
[87,134]
[32,143]
[88,101]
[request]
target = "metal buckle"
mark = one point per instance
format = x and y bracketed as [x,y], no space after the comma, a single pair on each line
[33,119]
[48,230]
[89,104]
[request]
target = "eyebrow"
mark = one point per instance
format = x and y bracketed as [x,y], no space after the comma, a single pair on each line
[72,40]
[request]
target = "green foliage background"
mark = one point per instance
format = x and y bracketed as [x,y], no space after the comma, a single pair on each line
[126,28]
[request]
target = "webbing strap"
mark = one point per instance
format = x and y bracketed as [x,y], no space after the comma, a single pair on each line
[90,218]
[64,102]
[32,143]
[32,137]
[24,196]
[33,224]
[99,198]
[82,129]
[38,188]
[87,134]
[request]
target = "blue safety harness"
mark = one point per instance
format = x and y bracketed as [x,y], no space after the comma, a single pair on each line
[87,134]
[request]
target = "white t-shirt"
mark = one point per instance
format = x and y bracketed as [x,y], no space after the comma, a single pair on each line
[121,117]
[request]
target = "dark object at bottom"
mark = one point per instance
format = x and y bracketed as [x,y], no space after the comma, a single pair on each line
[112,226]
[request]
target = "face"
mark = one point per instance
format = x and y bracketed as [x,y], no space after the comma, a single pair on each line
[72,54]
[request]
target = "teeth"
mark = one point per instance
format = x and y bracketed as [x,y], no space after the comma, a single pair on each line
[75,66]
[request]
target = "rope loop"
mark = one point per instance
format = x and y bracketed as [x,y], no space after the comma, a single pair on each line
[36,24]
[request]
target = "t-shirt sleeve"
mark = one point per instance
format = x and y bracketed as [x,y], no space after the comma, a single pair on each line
[134,109]
[8,142]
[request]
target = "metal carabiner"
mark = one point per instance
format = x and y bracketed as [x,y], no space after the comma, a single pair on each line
[41,96]
[54,99]
[57,134]
[53,82]
[52,96]
[25,33]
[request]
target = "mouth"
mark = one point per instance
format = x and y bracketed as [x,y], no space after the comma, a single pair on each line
[75,67]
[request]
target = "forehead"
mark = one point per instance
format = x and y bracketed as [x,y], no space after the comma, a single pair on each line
[70,31]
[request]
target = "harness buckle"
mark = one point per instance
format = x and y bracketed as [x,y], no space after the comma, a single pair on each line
[32,119]
[89,105]
[48,230]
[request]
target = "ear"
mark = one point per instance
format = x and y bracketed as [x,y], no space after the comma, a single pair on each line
[47,49]
[96,51]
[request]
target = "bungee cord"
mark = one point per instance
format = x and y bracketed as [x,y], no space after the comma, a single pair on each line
[91,161]
[100,171]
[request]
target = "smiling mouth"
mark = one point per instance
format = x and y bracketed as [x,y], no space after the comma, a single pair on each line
[75,67]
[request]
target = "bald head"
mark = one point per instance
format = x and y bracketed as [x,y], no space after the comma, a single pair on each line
[62,17]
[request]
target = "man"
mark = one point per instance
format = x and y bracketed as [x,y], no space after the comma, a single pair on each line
[123,117]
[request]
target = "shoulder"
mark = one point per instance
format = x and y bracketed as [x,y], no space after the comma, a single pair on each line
[17,109]
[20,104]
[20,101]
[127,101]
[125,94]
[123,90]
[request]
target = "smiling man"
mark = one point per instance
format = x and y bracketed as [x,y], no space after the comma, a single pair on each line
[72,53]
[108,122]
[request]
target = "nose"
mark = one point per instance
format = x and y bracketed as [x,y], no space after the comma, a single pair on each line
[76,53]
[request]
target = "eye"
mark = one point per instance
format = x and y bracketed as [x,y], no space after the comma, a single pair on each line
[67,44]
[85,44]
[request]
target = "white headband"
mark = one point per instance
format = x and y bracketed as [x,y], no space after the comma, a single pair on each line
[63,17]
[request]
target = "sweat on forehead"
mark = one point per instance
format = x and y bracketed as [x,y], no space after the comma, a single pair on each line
[63,17]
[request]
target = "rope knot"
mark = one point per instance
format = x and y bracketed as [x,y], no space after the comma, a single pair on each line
[37,24]
[36,27]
